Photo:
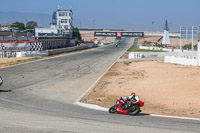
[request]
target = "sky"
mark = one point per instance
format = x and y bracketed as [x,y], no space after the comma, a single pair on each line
[135,15]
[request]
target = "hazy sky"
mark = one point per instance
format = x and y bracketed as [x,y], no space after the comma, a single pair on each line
[121,14]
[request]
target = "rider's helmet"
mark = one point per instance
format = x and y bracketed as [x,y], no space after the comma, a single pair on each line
[132,94]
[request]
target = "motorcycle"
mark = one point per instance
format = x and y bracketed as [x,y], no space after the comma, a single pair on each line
[132,107]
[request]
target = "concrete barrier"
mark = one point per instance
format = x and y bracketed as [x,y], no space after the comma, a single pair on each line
[186,60]
[135,55]
[157,48]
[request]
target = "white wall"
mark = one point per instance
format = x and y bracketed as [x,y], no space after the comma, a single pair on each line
[45,30]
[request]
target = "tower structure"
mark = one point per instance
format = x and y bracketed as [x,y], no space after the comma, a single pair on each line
[62,20]
[166,39]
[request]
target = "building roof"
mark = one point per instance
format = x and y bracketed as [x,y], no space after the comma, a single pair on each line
[64,10]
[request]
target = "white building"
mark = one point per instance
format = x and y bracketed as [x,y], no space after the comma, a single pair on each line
[62,19]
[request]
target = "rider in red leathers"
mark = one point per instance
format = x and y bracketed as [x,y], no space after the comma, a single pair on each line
[125,99]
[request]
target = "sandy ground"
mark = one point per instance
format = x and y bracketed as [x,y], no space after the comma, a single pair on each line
[4,62]
[166,89]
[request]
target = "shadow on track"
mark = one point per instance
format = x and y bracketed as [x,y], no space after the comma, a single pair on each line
[142,114]
[5,91]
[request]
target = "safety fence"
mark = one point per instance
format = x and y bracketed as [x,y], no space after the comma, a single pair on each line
[186,60]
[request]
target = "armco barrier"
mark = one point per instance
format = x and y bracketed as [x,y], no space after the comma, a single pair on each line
[189,60]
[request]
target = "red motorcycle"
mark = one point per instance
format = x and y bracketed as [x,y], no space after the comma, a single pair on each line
[132,107]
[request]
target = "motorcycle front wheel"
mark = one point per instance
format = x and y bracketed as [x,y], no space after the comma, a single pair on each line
[112,109]
[133,110]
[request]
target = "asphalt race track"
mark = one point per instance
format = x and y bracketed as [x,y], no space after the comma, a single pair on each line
[37,97]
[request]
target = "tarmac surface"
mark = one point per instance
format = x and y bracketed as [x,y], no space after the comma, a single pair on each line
[37,97]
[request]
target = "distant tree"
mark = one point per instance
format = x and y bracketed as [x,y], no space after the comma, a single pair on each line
[18,25]
[76,34]
[31,25]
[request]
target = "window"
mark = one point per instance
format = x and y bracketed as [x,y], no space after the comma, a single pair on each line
[61,14]
[63,20]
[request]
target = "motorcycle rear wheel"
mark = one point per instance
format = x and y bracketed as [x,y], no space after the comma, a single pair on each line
[112,109]
[133,110]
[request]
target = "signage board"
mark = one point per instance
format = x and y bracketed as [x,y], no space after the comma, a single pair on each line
[189,32]
[133,34]
[120,34]
[4,29]
[105,33]
[15,46]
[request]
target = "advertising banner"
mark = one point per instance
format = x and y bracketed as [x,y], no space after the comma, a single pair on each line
[15,46]
[120,34]
[105,33]
[133,34]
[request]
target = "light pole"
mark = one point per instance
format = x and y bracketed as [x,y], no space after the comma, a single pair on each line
[152,31]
